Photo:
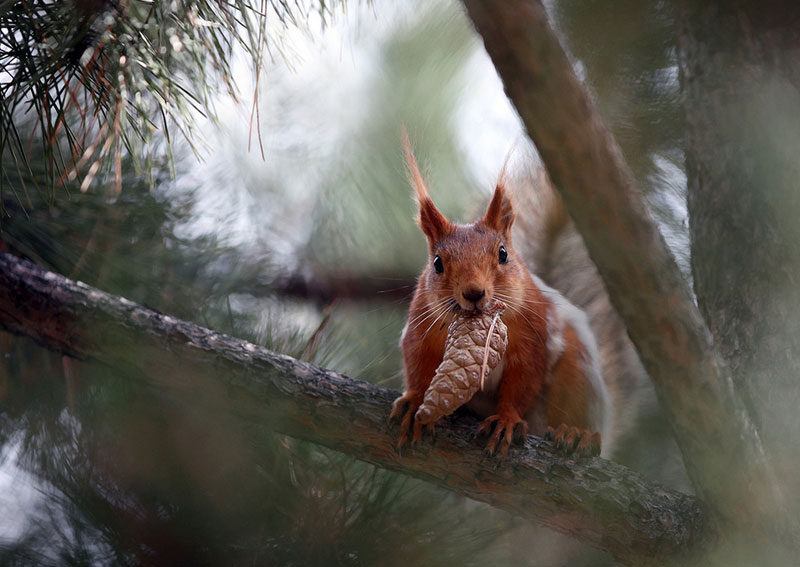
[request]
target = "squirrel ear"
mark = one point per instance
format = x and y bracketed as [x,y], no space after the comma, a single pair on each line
[500,214]
[433,223]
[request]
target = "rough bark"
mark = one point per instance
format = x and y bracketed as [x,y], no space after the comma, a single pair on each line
[719,443]
[597,501]
[740,75]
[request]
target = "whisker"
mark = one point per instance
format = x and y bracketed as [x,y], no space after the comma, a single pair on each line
[521,301]
[425,334]
[516,309]
[500,293]
[430,309]
[533,301]
[425,312]
[435,314]
[515,301]
[532,312]
[435,311]
[440,316]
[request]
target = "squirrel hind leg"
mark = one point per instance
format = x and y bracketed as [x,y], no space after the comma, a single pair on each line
[575,403]
[573,441]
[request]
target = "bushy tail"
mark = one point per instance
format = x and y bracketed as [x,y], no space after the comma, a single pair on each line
[555,252]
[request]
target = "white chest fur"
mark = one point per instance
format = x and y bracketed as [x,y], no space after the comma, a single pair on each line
[484,402]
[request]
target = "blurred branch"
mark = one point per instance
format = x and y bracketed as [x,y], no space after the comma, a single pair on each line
[326,288]
[721,448]
[596,501]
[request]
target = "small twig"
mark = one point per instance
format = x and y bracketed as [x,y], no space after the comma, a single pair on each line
[310,348]
[485,364]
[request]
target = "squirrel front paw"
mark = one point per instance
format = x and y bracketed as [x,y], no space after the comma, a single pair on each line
[574,441]
[403,410]
[502,429]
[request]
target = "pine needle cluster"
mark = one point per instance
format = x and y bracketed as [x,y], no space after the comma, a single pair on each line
[91,81]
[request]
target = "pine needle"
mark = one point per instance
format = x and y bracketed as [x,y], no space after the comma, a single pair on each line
[485,364]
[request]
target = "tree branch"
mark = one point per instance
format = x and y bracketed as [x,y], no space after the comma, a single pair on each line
[721,448]
[597,501]
[326,288]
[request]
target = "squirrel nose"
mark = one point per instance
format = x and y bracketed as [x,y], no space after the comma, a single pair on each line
[473,294]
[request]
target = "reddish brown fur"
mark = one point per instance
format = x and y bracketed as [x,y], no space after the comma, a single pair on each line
[470,256]
[570,394]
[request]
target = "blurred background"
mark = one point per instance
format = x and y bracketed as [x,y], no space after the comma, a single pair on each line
[289,223]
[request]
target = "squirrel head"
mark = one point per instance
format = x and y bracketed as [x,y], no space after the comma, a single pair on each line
[471,264]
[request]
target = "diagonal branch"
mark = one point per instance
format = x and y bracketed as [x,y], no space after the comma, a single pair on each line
[720,446]
[597,501]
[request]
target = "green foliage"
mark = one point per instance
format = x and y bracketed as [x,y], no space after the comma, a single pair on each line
[91,81]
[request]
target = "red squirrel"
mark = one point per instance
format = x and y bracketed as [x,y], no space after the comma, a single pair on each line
[549,380]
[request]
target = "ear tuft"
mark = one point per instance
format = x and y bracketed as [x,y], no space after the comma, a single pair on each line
[432,222]
[500,214]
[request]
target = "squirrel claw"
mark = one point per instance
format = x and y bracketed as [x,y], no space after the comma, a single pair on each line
[420,430]
[502,431]
[417,432]
[411,430]
[574,441]
[399,408]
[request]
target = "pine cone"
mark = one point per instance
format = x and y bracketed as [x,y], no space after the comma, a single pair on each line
[470,355]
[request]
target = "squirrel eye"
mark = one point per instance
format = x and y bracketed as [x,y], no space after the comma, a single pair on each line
[437,264]
[503,255]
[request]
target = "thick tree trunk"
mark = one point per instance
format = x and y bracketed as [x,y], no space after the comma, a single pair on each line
[740,72]
[597,501]
[720,445]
